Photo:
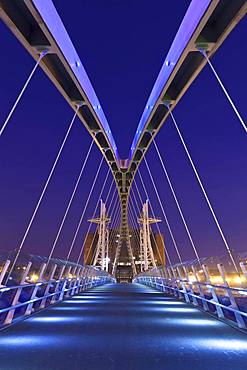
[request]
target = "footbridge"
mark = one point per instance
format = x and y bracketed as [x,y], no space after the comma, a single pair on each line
[125,300]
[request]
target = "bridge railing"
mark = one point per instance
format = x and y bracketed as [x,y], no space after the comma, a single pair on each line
[220,299]
[20,300]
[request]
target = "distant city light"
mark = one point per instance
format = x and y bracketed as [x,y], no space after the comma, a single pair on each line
[34,278]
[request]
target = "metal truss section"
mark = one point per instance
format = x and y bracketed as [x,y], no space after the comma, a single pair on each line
[146,250]
[102,252]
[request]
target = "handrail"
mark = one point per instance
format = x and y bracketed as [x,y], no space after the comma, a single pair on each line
[185,289]
[51,291]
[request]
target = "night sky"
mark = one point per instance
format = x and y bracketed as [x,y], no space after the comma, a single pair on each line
[122,45]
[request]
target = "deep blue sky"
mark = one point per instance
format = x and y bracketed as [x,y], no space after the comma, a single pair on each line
[122,45]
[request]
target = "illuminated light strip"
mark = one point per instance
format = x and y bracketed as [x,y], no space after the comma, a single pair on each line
[230,344]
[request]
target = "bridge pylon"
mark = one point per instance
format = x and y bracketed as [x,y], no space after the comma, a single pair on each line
[101,258]
[146,250]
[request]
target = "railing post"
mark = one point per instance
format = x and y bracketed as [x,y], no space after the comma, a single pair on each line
[191,290]
[3,272]
[48,286]
[215,299]
[76,282]
[185,294]
[61,295]
[165,280]
[11,313]
[35,289]
[239,318]
[81,281]
[58,282]
[204,303]
[85,278]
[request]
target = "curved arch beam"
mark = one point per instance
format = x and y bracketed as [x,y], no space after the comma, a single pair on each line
[37,25]
[205,26]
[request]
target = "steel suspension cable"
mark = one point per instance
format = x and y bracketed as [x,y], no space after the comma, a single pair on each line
[91,245]
[136,227]
[95,250]
[151,207]
[152,211]
[176,200]
[109,191]
[204,191]
[113,195]
[94,214]
[163,211]
[22,92]
[224,90]
[113,203]
[115,219]
[133,207]
[134,217]
[42,194]
[70,202]
[84,210]
[138,192]
[114,232]
[135,200]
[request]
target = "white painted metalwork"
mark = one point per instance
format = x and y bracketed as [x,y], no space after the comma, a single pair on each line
[197,287]
[102,252]
[45,292]
[146,250]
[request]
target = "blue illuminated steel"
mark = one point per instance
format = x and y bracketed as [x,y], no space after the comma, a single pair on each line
[191,20]
[48,13]
[200,294]
[37,296]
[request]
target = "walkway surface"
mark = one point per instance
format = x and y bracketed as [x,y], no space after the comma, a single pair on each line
[122,327]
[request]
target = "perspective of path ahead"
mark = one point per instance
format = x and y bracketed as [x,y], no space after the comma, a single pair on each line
[123,244]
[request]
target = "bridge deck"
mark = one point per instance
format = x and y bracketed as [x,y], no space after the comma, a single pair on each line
[122,326]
